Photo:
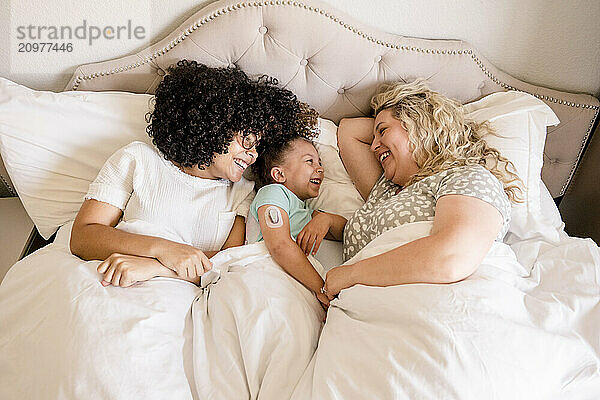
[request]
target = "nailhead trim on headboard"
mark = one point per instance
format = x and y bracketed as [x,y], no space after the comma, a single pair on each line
[225,10]
[8,187]
[333,18]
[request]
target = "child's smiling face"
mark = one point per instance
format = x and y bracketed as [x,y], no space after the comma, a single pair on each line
[302,171]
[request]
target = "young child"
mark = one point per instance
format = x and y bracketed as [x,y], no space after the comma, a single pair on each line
[164,209]
[291,174]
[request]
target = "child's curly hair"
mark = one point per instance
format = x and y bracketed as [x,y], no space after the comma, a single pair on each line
[198,110]
[273,157]
[276,149]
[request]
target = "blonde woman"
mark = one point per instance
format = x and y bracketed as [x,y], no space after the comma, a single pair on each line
[422,159]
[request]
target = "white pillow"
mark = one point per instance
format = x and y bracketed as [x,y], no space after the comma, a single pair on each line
[549,209]
[337,194]
[521,120]
[54,144]
[547,226]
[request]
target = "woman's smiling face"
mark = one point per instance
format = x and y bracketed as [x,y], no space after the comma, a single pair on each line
[232,164]
[392,148]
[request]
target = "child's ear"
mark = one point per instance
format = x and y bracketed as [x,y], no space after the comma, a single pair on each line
[278,175]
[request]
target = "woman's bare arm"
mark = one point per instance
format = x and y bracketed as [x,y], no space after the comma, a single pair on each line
[463,232]
[336,229]
[237,235]
[94,237]
[355,136]
[126,269]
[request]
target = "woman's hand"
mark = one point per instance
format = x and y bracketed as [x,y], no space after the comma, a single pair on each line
[337,279]
[311,236]
[186,261]
[124,270]
[322,297]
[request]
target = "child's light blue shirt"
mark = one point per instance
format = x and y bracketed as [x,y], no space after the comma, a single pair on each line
[278,195]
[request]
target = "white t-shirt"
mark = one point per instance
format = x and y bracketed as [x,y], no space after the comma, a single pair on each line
[159,199]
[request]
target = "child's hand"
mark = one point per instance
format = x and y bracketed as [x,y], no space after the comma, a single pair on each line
[311,236]
[124,270]
[187,261]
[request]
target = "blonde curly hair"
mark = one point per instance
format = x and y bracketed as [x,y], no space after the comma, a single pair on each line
[441,136]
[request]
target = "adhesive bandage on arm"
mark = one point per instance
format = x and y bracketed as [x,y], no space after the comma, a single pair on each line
[273,217]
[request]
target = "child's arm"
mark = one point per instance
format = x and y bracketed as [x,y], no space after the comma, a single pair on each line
[336,226]
[322,225]
[275,227]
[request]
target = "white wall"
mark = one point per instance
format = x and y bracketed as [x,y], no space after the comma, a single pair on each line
[551,43]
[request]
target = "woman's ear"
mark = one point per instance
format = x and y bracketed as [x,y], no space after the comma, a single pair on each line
[278,175]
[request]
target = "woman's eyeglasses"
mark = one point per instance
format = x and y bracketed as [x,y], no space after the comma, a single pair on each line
[249,141]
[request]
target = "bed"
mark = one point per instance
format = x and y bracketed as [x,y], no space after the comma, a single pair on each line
[526,325]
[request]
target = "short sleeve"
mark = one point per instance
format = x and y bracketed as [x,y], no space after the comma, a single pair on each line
[378,189]
[273,194]
[476,181]
[114,183]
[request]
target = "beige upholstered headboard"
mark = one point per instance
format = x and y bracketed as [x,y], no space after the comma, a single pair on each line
[335,63]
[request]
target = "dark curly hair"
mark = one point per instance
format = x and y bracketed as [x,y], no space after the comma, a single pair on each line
[198,110]
[273,157]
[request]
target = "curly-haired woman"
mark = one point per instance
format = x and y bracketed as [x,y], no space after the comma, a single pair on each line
[183,199]
[436,167]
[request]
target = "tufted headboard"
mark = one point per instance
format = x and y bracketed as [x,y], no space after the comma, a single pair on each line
[335,63]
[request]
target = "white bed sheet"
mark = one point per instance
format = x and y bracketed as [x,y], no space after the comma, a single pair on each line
[255,329]
[531,329]
[508,331]
[65,336]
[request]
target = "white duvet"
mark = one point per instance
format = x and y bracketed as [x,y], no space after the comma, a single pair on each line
[512,330]
[255,328]
[65,336]
[503,333]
